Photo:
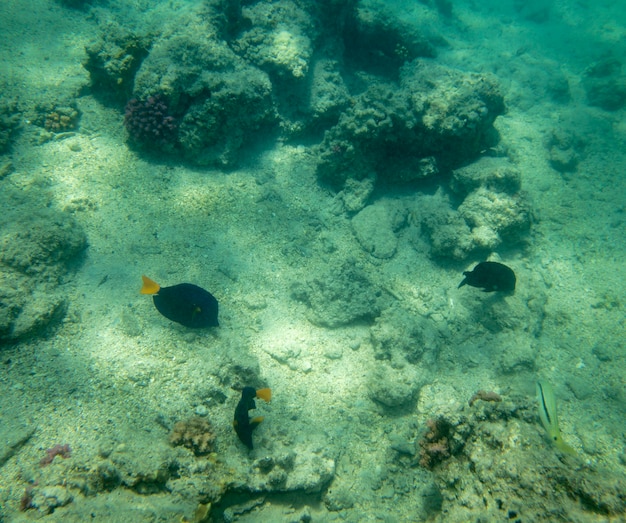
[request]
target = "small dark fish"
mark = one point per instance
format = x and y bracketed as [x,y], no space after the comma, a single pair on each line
[490,277]
[243,424]
[184,303]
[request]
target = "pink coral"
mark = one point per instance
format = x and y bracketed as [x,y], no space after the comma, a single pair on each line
[149,123]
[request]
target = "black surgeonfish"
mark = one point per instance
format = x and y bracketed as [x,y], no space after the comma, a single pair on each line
[242,422]
[490,277]
[184,303]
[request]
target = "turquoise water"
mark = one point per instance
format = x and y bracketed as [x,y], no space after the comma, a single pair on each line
[327,170]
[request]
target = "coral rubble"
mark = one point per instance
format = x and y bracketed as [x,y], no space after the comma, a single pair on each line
[195,433]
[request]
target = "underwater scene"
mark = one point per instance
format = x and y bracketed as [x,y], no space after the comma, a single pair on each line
[313,261]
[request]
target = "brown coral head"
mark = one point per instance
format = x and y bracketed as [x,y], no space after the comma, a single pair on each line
[433,452]
[195,433]
[435,443]
[484,395]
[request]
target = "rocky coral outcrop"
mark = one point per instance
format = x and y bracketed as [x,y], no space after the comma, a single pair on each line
[482,468]
[36,251]
[375,226]
[112,60]
[219,101]
[437,118]
[484,209]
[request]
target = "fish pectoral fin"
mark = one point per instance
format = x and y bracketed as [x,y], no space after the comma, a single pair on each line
[254,422]
[149,286]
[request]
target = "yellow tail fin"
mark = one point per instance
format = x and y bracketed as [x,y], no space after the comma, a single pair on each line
[264,394]
[149,286]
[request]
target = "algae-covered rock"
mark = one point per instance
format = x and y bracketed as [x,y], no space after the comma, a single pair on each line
[113,59]
[494,217]
[374,228]
[394,388]
[605,84]
[437,118]
[218,101]
[44,241]
[37,249]
[339,296]
[497,174]
[564,150]
[503,465]
[398,335]
[279,39]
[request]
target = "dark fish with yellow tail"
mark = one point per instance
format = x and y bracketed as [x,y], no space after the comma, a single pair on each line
[184,303]
[244,425]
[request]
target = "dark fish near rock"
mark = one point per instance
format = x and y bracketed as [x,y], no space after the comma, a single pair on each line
[184,303]
[242,422]
[490,277]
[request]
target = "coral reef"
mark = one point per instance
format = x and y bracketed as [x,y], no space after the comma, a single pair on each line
[220,101]
[496,466]
[231,72]
[195,433]
[149,123]
[495,174]
[57,117]
[495,217]
[493,211]
[436,119]
[378,41]
[435,444]
[113,59]
[279,39]
[57,450]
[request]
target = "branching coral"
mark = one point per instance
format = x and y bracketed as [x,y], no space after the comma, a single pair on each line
[61,119]
[148,122]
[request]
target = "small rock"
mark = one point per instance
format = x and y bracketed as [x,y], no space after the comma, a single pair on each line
[373,228]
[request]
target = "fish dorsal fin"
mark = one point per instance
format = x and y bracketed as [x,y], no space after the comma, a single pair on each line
[149,286]
[264,394]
